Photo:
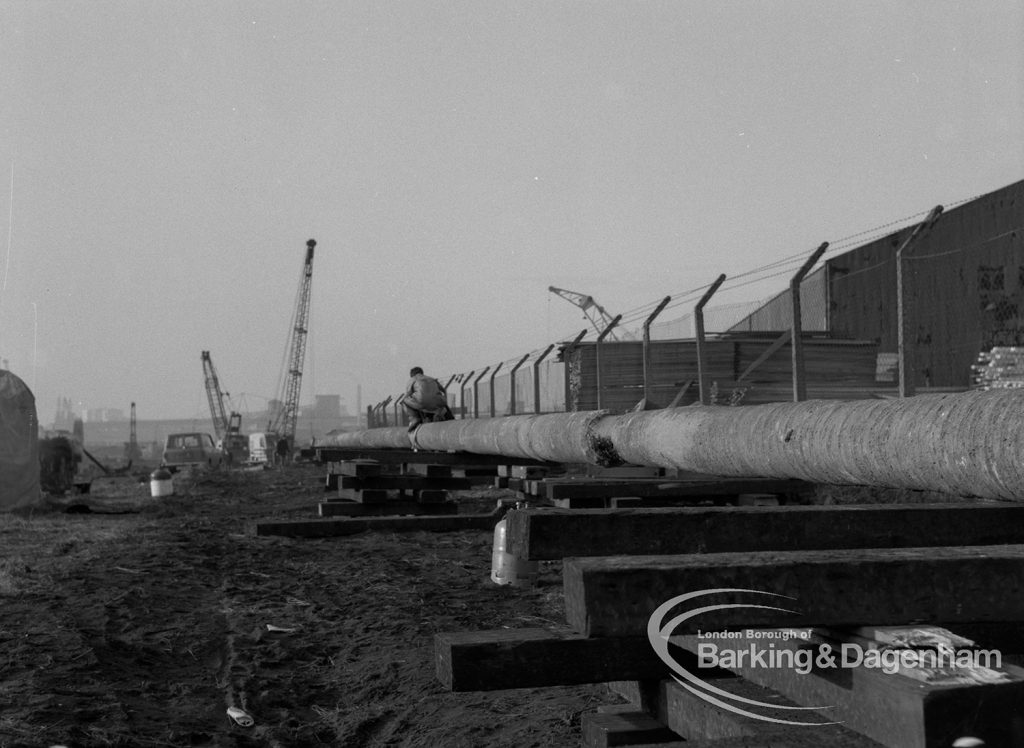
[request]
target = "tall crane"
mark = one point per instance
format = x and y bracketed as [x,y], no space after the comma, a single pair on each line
[283,421]
[593,311]
[226,427]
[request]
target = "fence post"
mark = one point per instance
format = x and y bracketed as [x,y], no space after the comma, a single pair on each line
[462,392]
[905,351]
[494,373]
[512,385]
[597,355]
[536,377]
[799,380]
[647,349]
[445,388]
[565,358]
[369,417]
[476,396]
[698,321]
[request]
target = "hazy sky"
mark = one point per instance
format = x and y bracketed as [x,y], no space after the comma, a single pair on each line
[162,165]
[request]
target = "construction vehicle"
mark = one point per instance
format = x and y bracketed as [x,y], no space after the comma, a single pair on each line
[597,314]
[232,443]
[283,421]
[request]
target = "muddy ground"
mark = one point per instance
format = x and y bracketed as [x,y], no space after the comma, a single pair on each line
[142,628]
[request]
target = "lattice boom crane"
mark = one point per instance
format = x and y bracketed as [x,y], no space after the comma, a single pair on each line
[215,397]
[284,420]
[227,427]
[597,314]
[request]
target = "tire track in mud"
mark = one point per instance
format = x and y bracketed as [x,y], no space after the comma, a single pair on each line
[152,645]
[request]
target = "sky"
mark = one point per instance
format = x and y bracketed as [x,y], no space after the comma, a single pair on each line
[162,165]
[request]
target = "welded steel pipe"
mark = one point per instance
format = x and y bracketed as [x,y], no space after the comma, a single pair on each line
[967,444]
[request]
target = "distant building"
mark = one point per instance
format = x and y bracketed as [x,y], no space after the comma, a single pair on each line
[64,420]
[327,406]
[103,415]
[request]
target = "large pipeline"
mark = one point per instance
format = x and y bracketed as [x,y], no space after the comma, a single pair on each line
[966,444]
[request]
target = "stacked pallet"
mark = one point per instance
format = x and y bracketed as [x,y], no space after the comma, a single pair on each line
[890,583]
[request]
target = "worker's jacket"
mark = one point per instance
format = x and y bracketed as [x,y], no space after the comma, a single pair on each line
[425,393]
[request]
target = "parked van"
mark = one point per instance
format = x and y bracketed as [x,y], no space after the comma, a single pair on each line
[190,450]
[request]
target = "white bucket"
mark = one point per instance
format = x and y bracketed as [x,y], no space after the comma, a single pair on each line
[161,483]
[506,568]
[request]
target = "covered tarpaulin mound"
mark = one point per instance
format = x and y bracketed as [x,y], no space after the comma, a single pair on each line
[19,444]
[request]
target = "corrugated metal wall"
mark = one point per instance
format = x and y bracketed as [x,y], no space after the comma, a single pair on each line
[964,290]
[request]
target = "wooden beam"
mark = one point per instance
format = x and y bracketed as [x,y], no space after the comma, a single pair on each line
[330,528]
[609,729]
[403,482]
[391,507]
[570,488]
[428,470]
[616,596]
[896,709]
[356,468]
[679,395]
[538,658]
[640,694]
[767,354]
[707,726]
[363,495]
[552,535]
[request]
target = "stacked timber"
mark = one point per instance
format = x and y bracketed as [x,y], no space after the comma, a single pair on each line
[746,368]
[398,490]
[924,588]
[834,370]
[999,368]
[672,364]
